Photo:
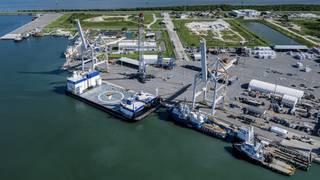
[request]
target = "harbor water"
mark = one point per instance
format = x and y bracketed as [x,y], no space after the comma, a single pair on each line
[269,34]
[45,134]
[15,5]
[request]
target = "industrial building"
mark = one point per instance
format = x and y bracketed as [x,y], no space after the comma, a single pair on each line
[268,88]
[294,48]
[246,12]
[129,62]
[289,101]
[150,59]
[133,46]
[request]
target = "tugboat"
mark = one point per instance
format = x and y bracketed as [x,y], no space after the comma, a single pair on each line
[256,151]
[26,35]
[37,35]
[17,39]
[197,120]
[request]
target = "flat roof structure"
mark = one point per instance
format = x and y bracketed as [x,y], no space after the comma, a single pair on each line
[129,62]
[289,48]
[265,87]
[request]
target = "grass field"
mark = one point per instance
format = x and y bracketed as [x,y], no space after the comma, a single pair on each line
[308,27]
[165,34]
[108,23]
[57,22]
[158,15]
[157,25]
[148,18]
[169,48]
[191,39]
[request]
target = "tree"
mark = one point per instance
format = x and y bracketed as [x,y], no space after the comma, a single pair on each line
[124,28]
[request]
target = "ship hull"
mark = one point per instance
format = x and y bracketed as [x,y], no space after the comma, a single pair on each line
[195,126]
[136,117]
[237,149]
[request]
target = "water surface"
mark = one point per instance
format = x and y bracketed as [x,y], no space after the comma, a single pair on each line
[269,34]
[45,134]
[14,5]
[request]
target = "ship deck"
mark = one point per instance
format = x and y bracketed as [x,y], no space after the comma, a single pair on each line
[213,128]
[282,166]
[101,95]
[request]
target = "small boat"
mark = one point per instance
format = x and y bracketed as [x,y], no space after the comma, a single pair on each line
[17,39]
[198,120]
[26,35]
[37,35]
[57,35]
[35,17]
[70,37]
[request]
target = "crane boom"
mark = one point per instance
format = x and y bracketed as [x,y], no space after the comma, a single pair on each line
[81,35]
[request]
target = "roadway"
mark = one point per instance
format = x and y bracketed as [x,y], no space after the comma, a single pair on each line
[174,38]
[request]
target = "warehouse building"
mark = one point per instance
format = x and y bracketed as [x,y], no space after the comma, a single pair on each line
[133,46]
[289,101]
[268,88]
[294,48]
[246,12]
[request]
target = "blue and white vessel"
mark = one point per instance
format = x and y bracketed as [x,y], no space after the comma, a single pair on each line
[137,103]
[197,120]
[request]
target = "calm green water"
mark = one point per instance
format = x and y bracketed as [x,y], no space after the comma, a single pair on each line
[269,34]
[46,135]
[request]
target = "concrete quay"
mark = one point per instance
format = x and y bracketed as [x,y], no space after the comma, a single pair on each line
[173,91]
[38,23]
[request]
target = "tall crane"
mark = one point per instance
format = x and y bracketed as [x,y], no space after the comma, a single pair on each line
[84,45]
[142,68]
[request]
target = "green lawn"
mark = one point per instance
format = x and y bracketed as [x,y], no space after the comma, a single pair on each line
[148,18]
[165,34]
[169,48]
[108,23]
[192,39]
[308,27]
[157,25]
[158,15]
[56,23]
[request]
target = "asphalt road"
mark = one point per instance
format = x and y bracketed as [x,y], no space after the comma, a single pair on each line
[174,38]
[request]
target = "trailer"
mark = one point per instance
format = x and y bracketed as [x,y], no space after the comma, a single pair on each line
[279,130]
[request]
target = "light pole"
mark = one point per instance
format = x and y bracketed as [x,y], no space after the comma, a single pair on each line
[183,74]
[270,64]
[161,68]
[259,40]
[121,60]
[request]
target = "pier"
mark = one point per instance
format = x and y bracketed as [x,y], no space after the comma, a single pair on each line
[38,23]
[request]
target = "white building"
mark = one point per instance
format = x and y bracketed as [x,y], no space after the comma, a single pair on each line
[80,82]
[246,12]
[268,88]
[133,46]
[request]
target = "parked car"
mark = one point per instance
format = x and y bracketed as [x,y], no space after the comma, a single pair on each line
[293,85]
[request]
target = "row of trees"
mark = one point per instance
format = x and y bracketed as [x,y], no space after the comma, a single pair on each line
[224,7]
